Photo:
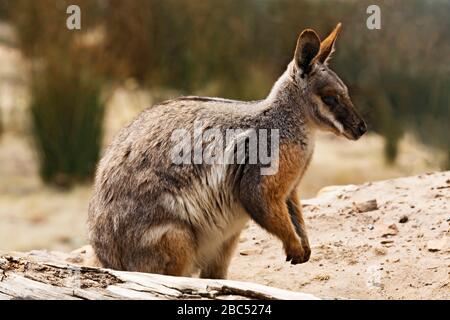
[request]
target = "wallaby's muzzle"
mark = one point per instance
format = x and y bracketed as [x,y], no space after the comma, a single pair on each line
[356,130]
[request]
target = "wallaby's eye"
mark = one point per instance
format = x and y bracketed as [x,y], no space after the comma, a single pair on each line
[329,100]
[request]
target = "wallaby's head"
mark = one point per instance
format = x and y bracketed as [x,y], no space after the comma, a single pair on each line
[326,96]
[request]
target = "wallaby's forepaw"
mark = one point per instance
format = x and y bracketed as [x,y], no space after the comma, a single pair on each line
[298,254]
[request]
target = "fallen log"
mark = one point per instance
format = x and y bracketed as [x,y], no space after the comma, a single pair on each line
[46,275]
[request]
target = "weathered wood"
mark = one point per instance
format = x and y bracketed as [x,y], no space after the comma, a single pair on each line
[44,275]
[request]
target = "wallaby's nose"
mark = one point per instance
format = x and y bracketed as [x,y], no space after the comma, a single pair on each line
[362,128]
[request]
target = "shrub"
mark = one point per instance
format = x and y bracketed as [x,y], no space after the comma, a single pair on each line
[67,115]
[66,107]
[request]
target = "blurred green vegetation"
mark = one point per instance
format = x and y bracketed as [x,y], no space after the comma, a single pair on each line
[399,76]
[66,106]
[67,116]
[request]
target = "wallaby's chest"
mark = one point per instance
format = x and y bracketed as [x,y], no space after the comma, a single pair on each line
[213,212]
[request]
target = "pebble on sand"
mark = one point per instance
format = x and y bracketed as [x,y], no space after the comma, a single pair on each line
[436,245]
[390,230]
[366,206]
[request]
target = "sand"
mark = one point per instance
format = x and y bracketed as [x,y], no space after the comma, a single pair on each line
[401,250]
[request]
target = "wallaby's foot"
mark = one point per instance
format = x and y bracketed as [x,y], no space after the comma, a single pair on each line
[307,253]
[306,249]
[297,253]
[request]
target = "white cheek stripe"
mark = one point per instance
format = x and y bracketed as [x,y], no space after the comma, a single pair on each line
[327,114]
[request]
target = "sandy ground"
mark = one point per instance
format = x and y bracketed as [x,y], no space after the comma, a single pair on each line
[363,255]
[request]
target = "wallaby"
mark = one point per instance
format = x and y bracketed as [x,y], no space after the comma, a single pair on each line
[149,214]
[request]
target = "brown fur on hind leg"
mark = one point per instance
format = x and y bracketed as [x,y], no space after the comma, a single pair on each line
[169,254]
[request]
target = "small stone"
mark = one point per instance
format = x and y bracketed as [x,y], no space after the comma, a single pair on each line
[370,227]
[386,241]
[391,230]
[380,251]
[436,245]
[250,252]
[366,206]
[403,219]
[322,277]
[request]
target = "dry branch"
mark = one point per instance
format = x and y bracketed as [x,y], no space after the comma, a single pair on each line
[43,275]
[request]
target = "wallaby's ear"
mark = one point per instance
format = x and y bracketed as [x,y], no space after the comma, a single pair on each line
[308,46]
[327,45]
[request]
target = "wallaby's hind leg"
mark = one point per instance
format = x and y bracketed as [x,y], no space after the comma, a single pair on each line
[217,268]
[165,250]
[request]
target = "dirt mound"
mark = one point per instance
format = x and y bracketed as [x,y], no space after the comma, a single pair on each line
[380,240]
